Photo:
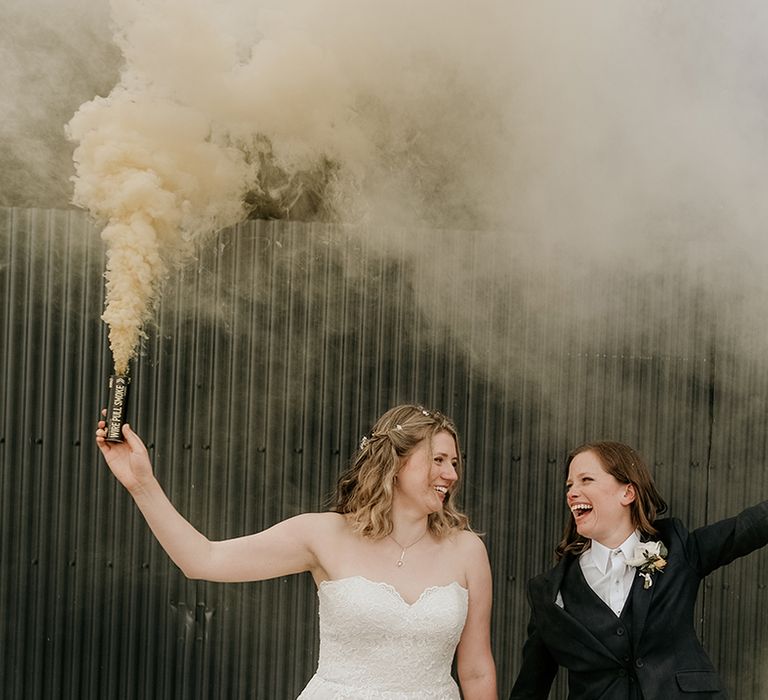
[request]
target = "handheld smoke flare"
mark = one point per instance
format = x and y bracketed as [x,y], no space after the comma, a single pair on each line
[116,407]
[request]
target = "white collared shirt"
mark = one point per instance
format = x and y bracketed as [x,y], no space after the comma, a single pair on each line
[606,572]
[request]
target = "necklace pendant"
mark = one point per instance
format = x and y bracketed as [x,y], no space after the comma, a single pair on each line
[405,549]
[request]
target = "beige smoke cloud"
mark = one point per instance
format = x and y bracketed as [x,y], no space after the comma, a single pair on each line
[595,139]
[169,154]
[147,166]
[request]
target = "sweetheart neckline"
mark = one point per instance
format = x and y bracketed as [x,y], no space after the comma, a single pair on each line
[390,587]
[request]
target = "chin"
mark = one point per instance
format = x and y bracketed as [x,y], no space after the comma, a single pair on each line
[435,509]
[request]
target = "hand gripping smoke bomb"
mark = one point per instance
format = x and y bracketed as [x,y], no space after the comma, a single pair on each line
[116,407]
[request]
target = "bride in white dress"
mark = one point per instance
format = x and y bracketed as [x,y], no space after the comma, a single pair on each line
[403,584]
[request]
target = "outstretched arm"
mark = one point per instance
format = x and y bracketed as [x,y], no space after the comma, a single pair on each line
[718,544]
[474,658]
[285,548]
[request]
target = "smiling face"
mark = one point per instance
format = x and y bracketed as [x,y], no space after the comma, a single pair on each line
[427,474]
[599,503]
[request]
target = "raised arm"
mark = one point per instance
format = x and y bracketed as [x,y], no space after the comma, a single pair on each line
[712,546]
[477,671]
[285,548]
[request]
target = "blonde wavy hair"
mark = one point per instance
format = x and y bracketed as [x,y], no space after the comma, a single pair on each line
[364,492]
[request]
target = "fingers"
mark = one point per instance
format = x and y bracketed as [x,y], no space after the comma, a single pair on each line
[101,431]
[102,444]
[101,434]
[132,439]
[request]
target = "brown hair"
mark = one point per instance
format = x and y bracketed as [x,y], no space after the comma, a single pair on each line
[627,467]
[364,492]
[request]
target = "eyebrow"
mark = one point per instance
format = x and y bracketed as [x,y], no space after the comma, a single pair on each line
[580,475]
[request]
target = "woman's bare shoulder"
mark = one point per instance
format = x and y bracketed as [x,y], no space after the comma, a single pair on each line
[470,546]
[324,523]
[469,540]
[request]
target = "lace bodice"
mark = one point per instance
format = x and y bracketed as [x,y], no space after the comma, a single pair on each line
[373,644]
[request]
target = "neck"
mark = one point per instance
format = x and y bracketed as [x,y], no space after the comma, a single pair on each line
[406,529]
[615,538]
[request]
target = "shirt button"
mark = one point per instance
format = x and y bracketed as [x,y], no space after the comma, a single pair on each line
[620,631]
[639,663]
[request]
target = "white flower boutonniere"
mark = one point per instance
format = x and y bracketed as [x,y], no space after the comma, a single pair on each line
[649,557]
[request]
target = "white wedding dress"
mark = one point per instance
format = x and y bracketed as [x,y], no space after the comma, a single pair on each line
[375,645]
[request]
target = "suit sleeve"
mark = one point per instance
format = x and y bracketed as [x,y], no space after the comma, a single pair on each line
[716,545]
[535,677]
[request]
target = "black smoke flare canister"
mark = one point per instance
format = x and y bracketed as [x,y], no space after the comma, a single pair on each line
[116,407]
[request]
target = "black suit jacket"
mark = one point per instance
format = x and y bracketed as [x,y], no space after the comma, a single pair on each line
[667,660]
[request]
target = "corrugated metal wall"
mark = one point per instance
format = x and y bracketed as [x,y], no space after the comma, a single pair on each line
[267,363]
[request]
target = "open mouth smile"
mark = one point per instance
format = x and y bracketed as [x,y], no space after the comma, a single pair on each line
[580,510]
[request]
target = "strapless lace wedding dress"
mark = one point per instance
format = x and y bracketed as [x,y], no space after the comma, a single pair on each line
[375,645]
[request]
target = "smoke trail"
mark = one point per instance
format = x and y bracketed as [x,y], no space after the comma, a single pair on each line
[169,154]
[598,140]
[154,199]
[205,123]
[153,170]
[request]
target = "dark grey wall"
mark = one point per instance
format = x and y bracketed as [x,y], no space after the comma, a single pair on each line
[272,353]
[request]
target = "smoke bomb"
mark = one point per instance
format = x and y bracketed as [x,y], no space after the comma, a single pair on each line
[116,407]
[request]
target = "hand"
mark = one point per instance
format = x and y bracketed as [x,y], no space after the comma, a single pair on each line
[129,460]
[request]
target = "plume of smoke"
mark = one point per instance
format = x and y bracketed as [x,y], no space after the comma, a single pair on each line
[599,140]
[205,111]
[149,167]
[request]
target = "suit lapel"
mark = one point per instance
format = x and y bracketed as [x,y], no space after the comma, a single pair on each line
[641,603]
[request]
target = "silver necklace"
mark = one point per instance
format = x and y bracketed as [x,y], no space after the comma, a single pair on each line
[407,547]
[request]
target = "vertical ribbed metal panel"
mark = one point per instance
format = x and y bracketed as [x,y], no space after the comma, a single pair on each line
[272,353]
[50,354]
